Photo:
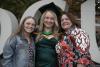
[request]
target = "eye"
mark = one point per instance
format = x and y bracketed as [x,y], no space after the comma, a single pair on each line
[33,24]
[28,23]
[64,19]
[46,17]
[52,18]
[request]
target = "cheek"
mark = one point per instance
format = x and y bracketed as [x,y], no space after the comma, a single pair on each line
[33,27]
[45,20]
[62,24]
[44,23]
[25,25]
[52,23]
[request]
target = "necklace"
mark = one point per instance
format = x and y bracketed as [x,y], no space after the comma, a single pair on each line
[47,33]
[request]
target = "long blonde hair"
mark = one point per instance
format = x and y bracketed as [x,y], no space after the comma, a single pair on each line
[41,25]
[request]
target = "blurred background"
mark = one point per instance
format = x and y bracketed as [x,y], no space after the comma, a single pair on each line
[18,7]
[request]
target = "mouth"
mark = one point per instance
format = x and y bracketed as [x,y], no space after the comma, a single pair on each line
[64,24]
[29,28]
[49,23]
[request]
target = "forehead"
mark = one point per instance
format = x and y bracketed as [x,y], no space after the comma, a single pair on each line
[49,14]
[64,16]
[30,20]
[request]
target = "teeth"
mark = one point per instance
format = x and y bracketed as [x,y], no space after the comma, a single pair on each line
[65,24]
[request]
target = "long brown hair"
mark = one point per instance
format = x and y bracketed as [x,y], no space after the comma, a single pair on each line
[21,26]
[72,19]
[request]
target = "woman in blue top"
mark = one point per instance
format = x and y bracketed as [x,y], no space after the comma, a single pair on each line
[19,49]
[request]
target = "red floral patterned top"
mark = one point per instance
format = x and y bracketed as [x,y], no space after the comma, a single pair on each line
[73,48]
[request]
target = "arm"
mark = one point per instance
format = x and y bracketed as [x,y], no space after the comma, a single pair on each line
[82,44]
[8,52]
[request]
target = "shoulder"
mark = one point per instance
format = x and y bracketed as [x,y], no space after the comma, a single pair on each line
[10,42]
[11,38]
[81,38]
[78,31]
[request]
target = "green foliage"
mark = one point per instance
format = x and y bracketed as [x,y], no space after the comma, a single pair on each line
[17,7]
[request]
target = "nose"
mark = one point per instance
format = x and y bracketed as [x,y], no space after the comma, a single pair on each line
[31,25]
[64,20]
[49,20]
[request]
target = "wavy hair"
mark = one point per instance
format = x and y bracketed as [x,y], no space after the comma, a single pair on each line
[56,25]
[71,18]
[21,26]
[55,29]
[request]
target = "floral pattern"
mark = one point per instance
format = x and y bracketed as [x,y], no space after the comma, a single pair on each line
[74,49]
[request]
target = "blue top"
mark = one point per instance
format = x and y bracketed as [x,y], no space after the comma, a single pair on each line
[18,53]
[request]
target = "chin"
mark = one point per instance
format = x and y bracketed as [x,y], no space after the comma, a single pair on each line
[65,28]
[29,31]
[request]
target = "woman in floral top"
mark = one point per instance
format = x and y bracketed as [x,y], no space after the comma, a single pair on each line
[73,46]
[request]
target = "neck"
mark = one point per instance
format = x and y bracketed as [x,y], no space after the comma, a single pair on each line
[47,31]
[66,30]
[27,35]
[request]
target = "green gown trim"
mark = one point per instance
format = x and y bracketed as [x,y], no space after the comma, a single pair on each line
[47,33]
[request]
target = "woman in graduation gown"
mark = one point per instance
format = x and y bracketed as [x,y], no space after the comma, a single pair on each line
[46,40]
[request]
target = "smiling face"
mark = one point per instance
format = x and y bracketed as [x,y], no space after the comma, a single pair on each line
[49,20]
[65,22]
[29,25]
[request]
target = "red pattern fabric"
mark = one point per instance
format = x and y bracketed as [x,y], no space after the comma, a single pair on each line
[65,51]
[80,43]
